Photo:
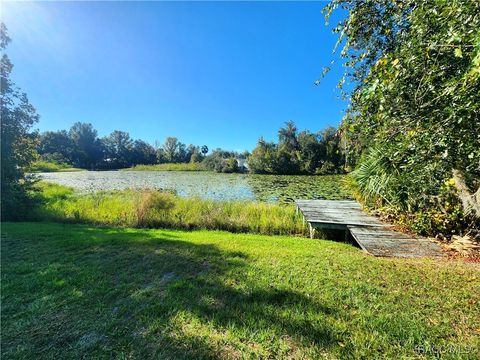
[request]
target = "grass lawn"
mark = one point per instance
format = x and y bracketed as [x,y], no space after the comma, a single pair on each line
[48,166]
[73,291]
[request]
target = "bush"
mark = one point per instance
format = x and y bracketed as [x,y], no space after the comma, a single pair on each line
[327,168]
[223,161]
[422,197]
[18,201]
[412,120]
[44,166]
[227,166]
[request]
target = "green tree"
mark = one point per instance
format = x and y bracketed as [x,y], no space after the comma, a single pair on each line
[56,146]
[196,157]
[17,142]
[194,154]
[263,159]
[230,165]
[222,161]
[143,153]
[118,147]
[161,159]
[288,161]
[171,149]
[287,137]
[333,159]
[298,153]
[88,148]
[311,152]
[413,120]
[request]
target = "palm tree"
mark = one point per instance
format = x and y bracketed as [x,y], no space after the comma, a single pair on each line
[287,136]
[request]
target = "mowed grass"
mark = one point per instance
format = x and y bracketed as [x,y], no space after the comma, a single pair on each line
[76,291]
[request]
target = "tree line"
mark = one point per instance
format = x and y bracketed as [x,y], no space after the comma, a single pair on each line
[299,153]
[81,147]
[296,152]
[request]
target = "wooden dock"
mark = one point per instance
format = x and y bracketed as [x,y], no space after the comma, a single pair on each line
[373,236]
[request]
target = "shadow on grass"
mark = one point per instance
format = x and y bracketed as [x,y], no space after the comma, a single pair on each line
[144,294]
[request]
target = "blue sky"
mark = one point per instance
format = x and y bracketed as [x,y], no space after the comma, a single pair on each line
[215,73]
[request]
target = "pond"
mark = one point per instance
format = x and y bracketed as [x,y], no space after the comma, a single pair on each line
[266,188]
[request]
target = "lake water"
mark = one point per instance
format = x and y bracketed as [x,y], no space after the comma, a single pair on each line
[267,188]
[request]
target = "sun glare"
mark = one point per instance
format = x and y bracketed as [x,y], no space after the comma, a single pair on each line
[32,24]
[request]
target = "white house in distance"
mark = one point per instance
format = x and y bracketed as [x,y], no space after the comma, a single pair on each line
[242,163]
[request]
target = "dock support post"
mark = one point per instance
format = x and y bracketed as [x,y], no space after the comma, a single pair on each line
[312,230]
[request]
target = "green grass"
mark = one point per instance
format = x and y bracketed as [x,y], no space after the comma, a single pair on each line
[76,291]
[149,208]
[168,167]
[48,166]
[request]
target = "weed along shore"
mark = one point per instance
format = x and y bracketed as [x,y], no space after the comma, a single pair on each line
[152,208]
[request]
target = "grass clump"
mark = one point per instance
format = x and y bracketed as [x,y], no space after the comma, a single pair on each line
[150,200]
[49,166]
[156,209]
[169,167]
[77,291]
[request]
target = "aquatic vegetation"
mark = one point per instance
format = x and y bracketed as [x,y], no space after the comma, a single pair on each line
[160,209]
[209,185]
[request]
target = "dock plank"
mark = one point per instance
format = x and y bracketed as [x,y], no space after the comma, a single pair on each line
[393,243]
[373,236]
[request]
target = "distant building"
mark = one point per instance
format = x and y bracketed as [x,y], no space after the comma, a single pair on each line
[242,163]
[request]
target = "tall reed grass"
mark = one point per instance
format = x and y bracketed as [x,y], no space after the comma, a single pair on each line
[155,209]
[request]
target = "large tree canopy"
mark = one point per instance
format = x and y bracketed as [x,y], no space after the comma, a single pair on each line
[413,81]
[17,142]
[118,148]
[56,146]
[298,153]
[88,150]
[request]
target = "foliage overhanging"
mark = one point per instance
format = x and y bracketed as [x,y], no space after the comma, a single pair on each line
[413,81]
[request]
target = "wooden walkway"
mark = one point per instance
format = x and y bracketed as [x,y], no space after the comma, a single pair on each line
[372,236]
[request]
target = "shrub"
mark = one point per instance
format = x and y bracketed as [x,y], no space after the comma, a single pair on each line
[412,119]
[227,166]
